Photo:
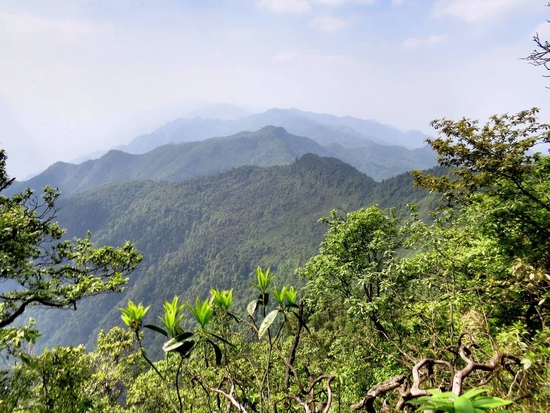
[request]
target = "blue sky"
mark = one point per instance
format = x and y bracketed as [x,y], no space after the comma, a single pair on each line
[79,76]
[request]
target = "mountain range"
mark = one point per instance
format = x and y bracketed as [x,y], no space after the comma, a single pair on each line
[268,146]
[207,201]
[323,128]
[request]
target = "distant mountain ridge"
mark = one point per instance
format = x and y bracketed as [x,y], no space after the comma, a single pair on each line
[322,128]
[177,162]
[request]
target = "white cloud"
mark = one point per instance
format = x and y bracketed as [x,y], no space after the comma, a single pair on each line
[415,42]
[328,23]
[476,11]
[396,2]
[65,30]
[285,6]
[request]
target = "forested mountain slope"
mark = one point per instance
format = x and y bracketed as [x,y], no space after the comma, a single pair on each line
[265,147]
[213,231]
[177,162]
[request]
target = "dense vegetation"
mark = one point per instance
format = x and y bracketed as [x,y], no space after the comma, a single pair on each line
[449,314]
[213,230]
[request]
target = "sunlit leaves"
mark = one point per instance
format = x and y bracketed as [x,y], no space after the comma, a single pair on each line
[285,297]
[355,256]
[496,166]
[469,402]
[202,311]
[222,299]
[133,315]
[172,317]
[264,281]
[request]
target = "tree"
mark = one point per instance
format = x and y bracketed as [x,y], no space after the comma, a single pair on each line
[501,184]
[39,268]
[540,56]
[469,298]
[496,165]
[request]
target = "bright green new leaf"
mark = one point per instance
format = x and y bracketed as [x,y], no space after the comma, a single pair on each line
[474,392]
[202,311]
[264,280]
[172,317]
[279,295]
[223,299]
[133,315]
[463,405]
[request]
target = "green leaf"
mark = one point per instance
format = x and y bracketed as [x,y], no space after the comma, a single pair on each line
[217,351]
[185,349]
[28,361]
[171,345]
[155,328]
[290,296]
[251,307]
[264,280]
[268,320]
[490,402]
[474,392]
[463,405]
[202,311]
[172,316]
[279,295]
[222,299]
[133,315]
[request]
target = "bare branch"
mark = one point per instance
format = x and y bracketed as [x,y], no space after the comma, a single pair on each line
[229,396]
[367,402]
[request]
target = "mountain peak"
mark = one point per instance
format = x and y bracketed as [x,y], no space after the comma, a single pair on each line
[274,129]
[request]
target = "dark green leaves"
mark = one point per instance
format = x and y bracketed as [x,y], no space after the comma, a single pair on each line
[182,344]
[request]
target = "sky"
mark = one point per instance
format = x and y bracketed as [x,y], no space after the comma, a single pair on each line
[86,75]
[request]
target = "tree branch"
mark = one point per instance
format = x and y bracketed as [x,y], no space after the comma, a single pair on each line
[11,318]
[367,402]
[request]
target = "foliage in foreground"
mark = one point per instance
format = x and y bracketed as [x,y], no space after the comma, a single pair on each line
[396,312]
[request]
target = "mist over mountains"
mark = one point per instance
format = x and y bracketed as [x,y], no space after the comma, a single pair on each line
[324,129]
[187,148]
